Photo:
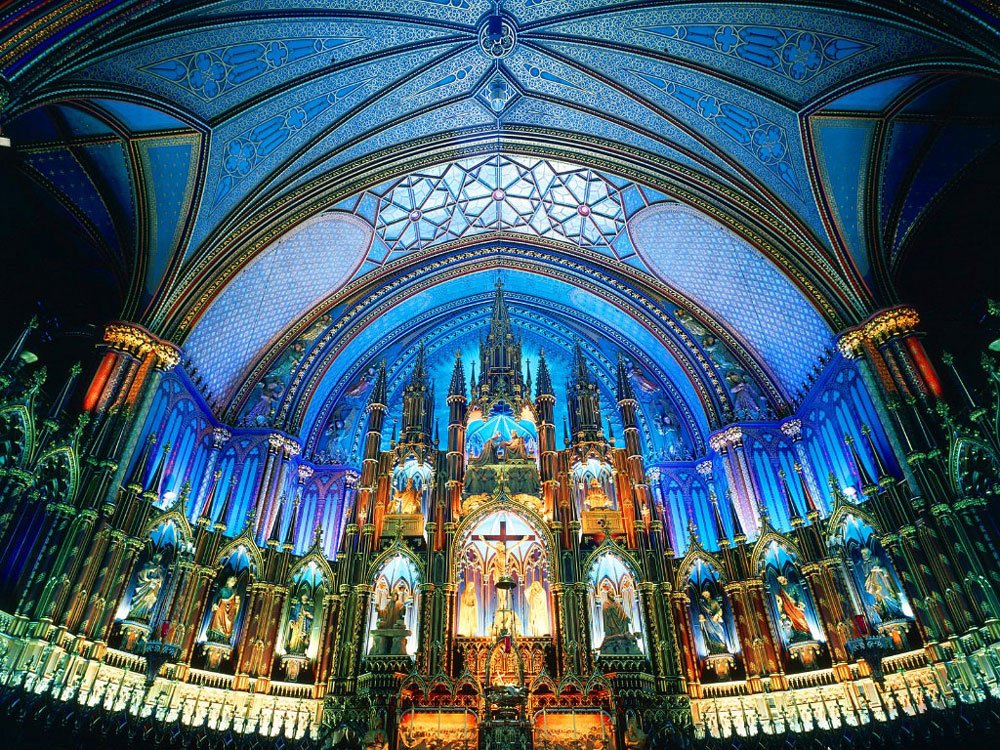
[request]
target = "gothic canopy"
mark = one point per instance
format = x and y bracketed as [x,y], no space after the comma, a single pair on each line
[294,191]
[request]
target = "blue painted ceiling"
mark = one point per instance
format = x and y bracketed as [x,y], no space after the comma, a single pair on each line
[287,188]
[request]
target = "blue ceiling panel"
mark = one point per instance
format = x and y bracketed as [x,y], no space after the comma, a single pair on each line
[843,148]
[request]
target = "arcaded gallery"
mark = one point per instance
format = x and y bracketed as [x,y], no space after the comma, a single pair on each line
[499,374]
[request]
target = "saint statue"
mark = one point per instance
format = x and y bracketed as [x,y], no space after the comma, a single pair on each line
[712,620]
[224,611]
[147,589]
[538,610]
[616,620]
[300,620]
[515,447]
[391,616]
[596,498]
[792,611]
[878,583]
[408,499]
[468,616]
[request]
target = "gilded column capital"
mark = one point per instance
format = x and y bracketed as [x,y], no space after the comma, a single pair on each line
[704,468]
[653,474]
[305,473]
[133,339]
[351,478]
[275,442]
[291,447]
[890,323]
[731,436]
[877,329]
[851,343]
[792,428]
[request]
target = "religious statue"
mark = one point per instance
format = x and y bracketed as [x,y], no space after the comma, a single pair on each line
[878,583]
[408,499]
[148,582]
[792,611]
[392,614]
[468,616]
[538,610]
[596,498]
[712,620]
[616,620]
[224,611]
[390,632]
[300,620]
[515,447]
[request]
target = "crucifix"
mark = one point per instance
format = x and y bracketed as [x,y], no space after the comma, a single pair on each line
[501,574]
[498,543]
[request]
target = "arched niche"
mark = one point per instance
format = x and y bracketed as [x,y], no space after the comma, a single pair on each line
[223,619]
[411,485]
[712,622]
[502,544]
[616,622]
[792,608]
[594,484]
[299,636]
[873,576]
[148,582]
[393,622]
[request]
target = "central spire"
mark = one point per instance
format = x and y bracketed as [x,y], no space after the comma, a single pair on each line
[500,329]
[500,355]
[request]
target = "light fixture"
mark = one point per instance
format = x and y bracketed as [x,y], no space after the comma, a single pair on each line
[498,94]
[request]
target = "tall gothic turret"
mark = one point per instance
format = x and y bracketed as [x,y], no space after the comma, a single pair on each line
[583,402]
[418,405]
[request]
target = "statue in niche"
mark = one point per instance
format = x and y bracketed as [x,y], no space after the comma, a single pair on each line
[468,617]
[878,584]
[390,632]
[792,611]
[712,620]
[615,618]
[407,500]
[392,614]
[224,611]
[618,635]
[148,582]
[300,622]
[538,610]
[596,498]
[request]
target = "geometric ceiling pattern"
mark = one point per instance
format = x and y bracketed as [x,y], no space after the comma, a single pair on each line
[284,282]
[731,183]
[742,287]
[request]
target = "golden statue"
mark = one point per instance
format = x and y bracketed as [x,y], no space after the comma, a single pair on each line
[468,618]
[596,498]
[407,500]
[538,610]
[224,611]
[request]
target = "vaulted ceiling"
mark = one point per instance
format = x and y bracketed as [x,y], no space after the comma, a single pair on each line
[293,190]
